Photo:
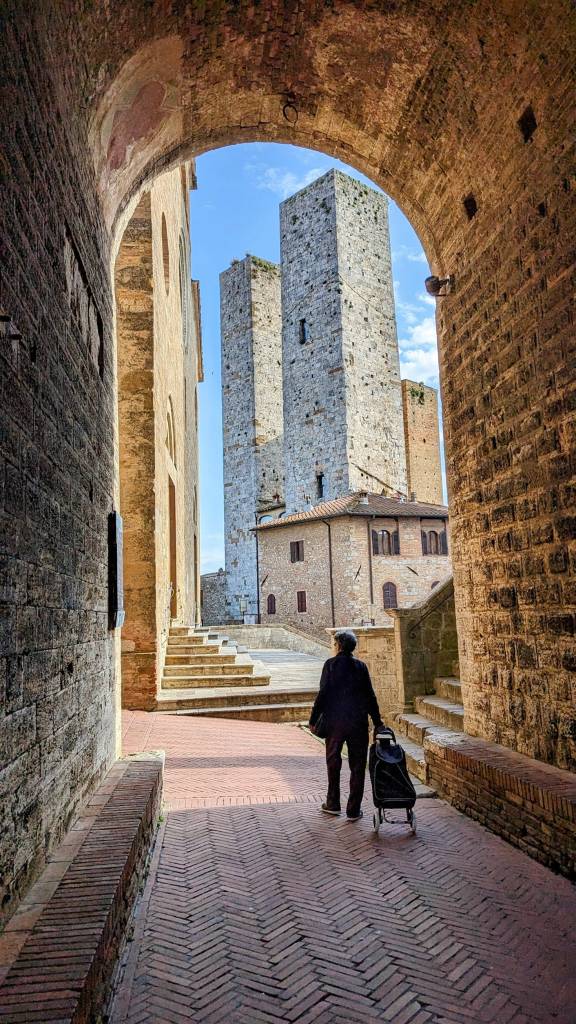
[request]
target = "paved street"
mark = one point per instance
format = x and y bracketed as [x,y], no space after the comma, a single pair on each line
[260,909]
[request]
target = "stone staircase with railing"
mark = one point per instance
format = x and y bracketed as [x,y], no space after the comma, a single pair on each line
[441,711]
[206,673]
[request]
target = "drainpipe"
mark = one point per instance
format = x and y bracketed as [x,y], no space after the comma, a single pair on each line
[257,572]
[330,568]
[369,533]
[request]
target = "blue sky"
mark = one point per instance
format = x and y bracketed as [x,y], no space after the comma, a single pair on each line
[234,212]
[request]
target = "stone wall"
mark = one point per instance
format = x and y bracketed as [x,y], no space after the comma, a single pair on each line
[422,441]
[159,365]
[213,587]
[426,643]
[252,418]
[264,636]
[342,397]
[57,476]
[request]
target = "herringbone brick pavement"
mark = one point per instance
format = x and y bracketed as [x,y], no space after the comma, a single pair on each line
[260,912]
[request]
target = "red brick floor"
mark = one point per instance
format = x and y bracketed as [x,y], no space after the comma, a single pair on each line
[260,909]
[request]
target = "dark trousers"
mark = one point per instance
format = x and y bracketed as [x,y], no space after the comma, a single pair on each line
[357,743]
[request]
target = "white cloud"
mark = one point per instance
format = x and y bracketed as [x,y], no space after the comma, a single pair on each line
[404,252]
[419,352]
[282,182]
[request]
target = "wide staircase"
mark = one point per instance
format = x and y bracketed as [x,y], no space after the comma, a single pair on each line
[441,711]
[208,674]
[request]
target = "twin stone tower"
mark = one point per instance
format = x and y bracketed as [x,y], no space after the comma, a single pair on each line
[313,404]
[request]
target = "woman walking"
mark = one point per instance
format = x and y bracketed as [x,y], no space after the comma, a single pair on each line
[340,715]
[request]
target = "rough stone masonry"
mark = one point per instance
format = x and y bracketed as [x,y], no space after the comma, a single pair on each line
[343,426]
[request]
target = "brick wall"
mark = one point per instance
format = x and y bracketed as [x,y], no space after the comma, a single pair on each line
[57,657]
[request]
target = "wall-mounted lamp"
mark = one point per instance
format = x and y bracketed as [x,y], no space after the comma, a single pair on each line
[434,285]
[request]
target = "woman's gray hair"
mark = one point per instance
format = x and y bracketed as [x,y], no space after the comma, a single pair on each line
[346,640]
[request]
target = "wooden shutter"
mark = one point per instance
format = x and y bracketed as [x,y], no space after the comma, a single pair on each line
[424,543]
[375,543]
[443,543]
[301,600]
[396,543]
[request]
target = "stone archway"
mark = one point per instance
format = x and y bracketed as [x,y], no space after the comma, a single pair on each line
[463,113]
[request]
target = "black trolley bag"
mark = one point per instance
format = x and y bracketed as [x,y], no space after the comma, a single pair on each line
[392,787]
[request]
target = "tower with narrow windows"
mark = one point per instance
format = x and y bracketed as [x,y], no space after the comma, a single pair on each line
[252,419]
[343,422]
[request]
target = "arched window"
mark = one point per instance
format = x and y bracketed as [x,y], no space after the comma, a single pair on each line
[170,432]
[385,543]
[433,547]
[271,604]
[390,595]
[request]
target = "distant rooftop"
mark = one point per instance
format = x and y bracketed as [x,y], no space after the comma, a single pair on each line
[361,504]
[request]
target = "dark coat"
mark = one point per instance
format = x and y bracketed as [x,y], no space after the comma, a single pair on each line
[345,698]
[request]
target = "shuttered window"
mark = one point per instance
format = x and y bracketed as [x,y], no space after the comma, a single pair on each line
[271,604]
[296,550]
[301,600]
[385,543]
[390,595]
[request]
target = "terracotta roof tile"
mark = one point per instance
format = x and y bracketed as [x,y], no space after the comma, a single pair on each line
[353,505]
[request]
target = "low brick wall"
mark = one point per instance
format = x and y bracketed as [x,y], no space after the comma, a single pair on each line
[59,950]
[527,802]
[262,636]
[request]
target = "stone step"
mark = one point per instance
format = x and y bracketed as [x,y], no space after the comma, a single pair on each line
[288,712]
[415,759]
[192,699]
[201,651]
[448,687]
[213,668]
[202,658]
[413,727]
[193,682]
[187,641]
[441,711]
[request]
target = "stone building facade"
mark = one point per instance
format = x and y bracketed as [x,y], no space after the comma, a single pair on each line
[345,562]
[421,433]
[343,428]
[252,418]
[159,359]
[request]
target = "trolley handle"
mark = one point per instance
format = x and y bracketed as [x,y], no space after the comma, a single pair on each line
[384,732]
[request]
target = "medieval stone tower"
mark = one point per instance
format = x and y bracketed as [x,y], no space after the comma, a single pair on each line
[343,423]
[252,418]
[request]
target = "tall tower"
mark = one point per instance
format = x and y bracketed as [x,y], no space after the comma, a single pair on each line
[422,437]
[343,423]
[251,332]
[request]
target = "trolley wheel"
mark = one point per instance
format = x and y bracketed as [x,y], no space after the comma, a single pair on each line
[411,820]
